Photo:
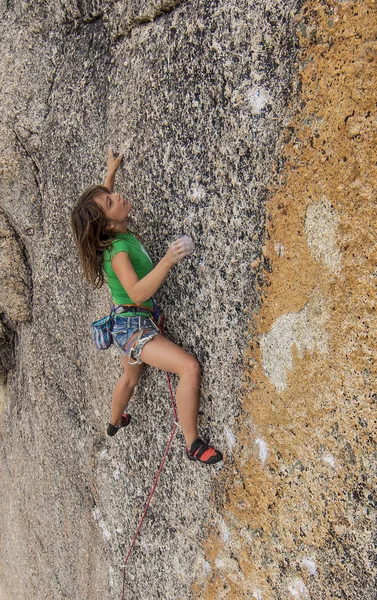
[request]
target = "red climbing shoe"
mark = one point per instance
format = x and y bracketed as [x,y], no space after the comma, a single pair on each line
[113,429]
[200,451]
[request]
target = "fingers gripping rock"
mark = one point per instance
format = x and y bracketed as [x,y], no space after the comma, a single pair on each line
[188,244]
[181,248]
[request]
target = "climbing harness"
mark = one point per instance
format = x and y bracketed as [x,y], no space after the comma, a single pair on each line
[101,329]
[159,469]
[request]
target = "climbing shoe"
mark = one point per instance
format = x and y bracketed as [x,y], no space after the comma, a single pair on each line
[113,429]
[200,451]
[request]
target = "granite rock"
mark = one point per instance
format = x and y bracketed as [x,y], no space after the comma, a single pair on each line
[203,97]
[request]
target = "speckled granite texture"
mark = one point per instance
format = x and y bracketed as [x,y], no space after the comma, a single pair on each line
[250,126]
[299,519]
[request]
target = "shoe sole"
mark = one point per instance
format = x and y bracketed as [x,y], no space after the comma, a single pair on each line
[213,461]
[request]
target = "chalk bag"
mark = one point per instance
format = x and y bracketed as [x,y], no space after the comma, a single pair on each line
[102,332]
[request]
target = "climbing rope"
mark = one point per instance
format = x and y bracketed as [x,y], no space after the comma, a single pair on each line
[154,483]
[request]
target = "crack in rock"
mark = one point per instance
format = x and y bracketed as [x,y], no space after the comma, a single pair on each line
[157,11]
[16,291]
[36,166]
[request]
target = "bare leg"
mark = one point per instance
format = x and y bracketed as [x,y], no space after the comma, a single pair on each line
[123,390]
[167,356]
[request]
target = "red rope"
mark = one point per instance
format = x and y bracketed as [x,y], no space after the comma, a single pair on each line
[154,483]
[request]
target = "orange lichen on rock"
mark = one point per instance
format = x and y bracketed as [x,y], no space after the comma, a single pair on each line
[299,508]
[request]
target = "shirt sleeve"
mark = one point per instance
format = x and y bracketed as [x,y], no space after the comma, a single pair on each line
[118,245]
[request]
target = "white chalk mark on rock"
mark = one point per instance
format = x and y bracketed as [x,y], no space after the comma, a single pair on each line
[224,532]
[309,564]
[231,440]
[197,193]
[279,248]
[258,99]
[329,460]
[207,567]
[105,532]
[262,450]
[298,589]
[306,329]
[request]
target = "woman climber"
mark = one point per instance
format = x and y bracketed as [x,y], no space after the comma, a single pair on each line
[99,222]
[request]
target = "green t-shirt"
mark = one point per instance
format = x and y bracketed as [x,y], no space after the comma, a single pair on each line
[140,260]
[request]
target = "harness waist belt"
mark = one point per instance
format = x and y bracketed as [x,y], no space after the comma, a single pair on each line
[131,308]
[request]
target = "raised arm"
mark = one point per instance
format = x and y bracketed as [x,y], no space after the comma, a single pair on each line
[140,290]
[113,163]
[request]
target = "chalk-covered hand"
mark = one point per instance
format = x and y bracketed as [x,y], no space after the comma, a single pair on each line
[179,249]
[113,160]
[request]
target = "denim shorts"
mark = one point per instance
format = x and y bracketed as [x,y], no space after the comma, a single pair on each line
[130,334]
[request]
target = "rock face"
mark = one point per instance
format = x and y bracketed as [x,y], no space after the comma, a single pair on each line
[300,517]
[219,106]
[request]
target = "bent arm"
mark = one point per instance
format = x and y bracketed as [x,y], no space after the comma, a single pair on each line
[139,290]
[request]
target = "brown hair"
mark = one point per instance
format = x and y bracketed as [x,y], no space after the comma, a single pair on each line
[91,232]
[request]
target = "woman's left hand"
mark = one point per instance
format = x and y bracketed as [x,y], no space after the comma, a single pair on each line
[113,161]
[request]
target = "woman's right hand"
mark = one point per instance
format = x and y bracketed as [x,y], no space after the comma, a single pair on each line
[179,249]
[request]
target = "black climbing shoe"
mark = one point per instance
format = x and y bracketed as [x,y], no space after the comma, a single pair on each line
[113,429]
[200,451]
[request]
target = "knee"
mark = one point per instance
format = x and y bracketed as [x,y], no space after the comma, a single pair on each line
[129,380]
[192,367]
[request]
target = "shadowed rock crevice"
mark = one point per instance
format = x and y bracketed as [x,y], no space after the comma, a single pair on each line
[15,274]
[127,17]
[15,291]
[164,7]
[7,358]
